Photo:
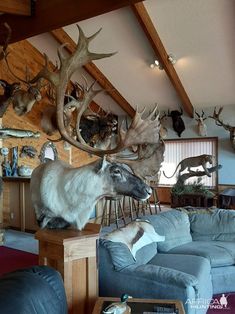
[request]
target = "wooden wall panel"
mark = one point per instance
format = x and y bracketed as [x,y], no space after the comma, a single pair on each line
[23,54]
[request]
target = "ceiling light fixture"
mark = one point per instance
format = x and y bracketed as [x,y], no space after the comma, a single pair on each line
[171,58]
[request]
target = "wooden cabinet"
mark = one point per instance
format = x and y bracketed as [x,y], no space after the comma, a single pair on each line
[17,209]
[194,200]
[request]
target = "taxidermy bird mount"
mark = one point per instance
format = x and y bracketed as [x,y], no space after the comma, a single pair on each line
[119,307]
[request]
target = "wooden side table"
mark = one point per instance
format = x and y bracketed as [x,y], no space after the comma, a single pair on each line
[137,305]
[73,254]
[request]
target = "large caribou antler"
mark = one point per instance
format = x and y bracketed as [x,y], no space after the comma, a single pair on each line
[141,130]
[227,127]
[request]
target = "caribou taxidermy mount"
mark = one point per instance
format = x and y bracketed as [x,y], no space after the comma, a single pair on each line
[74,192]
[63,195]
[227,127]
[202,128]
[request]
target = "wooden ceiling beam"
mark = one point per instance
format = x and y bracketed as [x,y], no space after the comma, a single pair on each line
[53,14]
[62,37]
[161,54]
[22,7]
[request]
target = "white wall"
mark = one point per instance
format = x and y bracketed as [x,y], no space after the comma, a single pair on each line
[226,154]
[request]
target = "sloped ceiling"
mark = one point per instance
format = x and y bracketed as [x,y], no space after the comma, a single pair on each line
[200,33]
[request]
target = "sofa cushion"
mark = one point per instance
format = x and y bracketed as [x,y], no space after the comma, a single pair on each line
[197,266]
[122,258]
[166,275]
[223,279]
[217,225]
[217,252]
[135,235]
[174,225]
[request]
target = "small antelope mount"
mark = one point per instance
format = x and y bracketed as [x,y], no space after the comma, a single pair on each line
[62,195]
[227,127]
[202,128]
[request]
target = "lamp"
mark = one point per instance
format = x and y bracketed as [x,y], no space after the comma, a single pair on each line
[171,58]
[156,64]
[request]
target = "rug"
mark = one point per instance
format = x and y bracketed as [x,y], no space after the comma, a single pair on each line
[12,259]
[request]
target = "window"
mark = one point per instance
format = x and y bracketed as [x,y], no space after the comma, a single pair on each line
[176,150]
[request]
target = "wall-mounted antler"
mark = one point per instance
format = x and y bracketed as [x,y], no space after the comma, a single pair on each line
[3,48]
[60,79]
[227,127]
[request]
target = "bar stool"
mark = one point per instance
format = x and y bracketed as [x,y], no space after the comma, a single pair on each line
[156,200]
[113,206]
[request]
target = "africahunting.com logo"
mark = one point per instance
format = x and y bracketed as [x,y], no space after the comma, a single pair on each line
[220,303]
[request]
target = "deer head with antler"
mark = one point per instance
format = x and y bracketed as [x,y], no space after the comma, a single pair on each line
[227,127]
[68,195]
[202,128]
[163,130]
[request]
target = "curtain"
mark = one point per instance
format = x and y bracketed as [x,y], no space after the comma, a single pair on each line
[177,150]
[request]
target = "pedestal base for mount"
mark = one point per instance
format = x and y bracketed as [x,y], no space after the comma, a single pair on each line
[73,254]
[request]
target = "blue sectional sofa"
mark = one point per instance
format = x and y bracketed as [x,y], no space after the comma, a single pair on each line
[196,260]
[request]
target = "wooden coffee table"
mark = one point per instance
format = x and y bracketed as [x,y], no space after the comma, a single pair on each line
[139,306]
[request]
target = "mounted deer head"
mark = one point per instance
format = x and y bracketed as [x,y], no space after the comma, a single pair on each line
[7,96]
[202,128]
[163,130]
[24,100]
[227,127]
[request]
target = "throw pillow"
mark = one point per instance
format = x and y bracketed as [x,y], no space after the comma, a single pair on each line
[135,235]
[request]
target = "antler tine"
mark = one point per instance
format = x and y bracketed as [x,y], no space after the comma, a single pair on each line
[8,36]
[92,85]
[85,81]
[81,55]
[3,50]
[197,114]
[94,35]
[203,113]
[45,73]
[152,114]
[80,87]
[220,110]
[141,113]
[60,52]
[88,96]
